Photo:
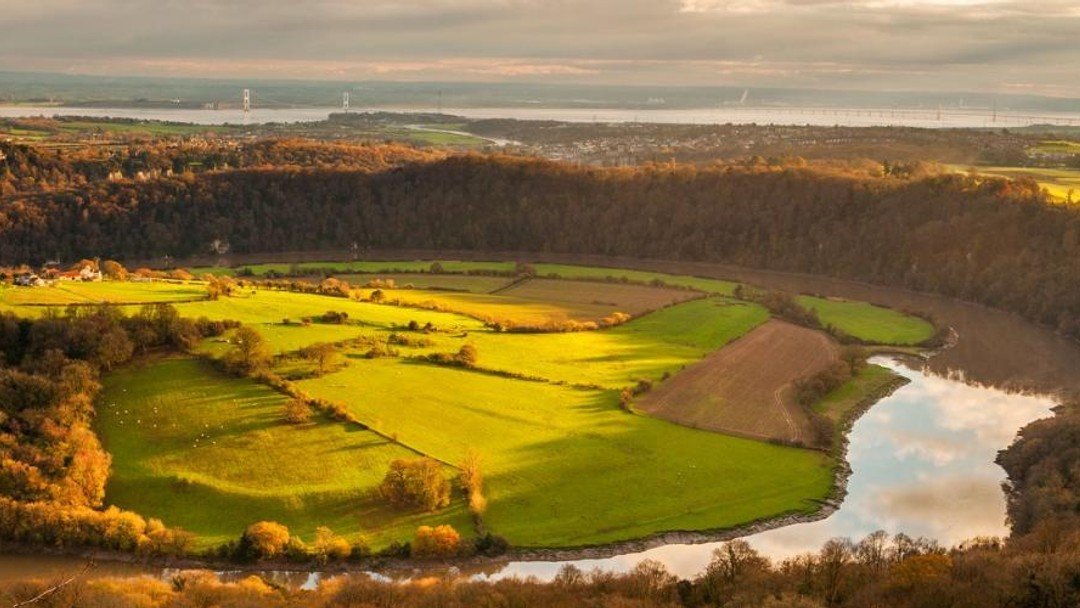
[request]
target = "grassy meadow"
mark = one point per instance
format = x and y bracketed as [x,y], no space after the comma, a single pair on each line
[357,272]
[870,323]
[566,464]
[209,453]
[63,293]
[568,467]
[871,380]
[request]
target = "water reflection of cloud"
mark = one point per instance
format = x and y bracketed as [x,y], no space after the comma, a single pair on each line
[949,509]
[937,450]
[923,464]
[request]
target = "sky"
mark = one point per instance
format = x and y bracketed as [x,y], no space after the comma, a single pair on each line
[992,46]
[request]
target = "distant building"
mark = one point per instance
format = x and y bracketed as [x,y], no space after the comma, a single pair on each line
[86,273]
[29,279]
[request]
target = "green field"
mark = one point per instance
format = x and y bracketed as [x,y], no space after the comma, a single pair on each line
[870,323]
[871,380]
[1062,184]
[565,463]
[568,467]
[63,293]
[664,341]
[209,453]
[566,271]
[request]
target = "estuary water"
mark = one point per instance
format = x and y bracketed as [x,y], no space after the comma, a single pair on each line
[930,118]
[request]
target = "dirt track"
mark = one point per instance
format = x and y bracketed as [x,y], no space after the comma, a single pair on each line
[747,387]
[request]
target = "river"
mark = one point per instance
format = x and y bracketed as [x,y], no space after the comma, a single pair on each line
[817,116]
[921,459]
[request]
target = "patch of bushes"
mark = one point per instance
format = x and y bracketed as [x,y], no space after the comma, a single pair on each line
[416,484]
[785,306]
[440,541]
[466,356]
[334,317]
[296,411]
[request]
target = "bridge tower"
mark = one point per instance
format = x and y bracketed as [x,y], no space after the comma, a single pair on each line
[247,101]
[345,102]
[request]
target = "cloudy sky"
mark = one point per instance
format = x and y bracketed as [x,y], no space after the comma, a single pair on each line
[1001,46]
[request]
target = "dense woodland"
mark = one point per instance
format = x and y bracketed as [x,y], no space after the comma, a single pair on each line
[28,170]
[984,240]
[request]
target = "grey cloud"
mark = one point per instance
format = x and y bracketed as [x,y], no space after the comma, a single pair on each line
[983,44]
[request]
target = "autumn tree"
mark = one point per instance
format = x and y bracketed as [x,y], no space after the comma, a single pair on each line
[324,355]
[265,539]
[440,541]
[471,478]
[329,546]
[467,355]
[250,352]
[114,270]
[417,483]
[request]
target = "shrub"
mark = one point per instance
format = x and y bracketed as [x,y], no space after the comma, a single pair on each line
[440,541]
[265,539]
[297,411]
[472,481]
[417,483]
[334,317]
[324,355]
[467,355]
[785,306]
[250,352]
[114,270]
[329,546]
[491,545]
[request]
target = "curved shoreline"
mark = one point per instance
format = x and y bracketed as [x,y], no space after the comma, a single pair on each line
[1056,373]
[389,566]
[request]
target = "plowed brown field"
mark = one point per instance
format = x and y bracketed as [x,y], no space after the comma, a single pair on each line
[747,387]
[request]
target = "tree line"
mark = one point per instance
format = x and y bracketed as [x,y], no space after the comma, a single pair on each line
[53,468]
[986,240]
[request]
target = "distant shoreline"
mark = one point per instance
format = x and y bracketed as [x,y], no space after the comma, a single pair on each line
[822,116]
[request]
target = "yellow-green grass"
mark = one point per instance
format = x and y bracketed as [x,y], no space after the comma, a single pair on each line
[569,271]
[505,309]
[63,293]
[567,467]
[869,382]
[424,280]
[870,323]
[270,306]
[1061,184]
[209,453]
[644,348]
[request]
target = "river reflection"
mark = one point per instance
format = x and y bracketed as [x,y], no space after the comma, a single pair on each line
[922,464]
